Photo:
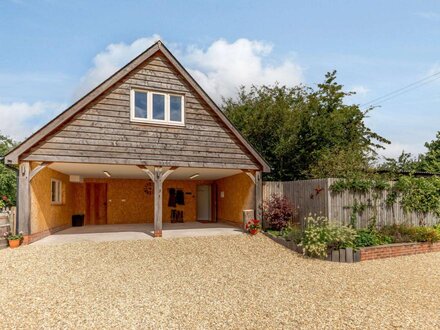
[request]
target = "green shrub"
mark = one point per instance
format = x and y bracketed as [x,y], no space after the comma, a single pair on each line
[368,237]
[293,233]
[319,236]
[399,233]
[406,233]
[426,234]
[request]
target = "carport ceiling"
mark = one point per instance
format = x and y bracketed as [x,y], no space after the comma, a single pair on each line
[96,171]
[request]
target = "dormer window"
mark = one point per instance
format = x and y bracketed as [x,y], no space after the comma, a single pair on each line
[156,107]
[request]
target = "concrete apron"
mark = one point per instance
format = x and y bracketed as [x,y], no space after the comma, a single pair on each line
[120,232]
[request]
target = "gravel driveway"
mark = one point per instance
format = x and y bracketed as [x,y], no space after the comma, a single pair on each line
[211,282]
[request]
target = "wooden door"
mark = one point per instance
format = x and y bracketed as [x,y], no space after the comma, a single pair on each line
[96,203]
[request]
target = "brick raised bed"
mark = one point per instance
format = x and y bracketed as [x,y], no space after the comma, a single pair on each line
[397,250]
[368,253]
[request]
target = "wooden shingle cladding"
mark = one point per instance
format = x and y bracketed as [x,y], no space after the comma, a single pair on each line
[103,133]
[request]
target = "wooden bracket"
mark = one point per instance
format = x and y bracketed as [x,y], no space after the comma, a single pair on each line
[250,175]
[157,175]
[37,169]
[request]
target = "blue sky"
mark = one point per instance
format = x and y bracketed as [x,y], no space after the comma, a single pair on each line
[53,51]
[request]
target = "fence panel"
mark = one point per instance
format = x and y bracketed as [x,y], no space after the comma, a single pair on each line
[314,196]
[306,196]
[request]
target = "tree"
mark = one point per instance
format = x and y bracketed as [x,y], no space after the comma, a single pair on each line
[404,163]
[430,162]
[305,133]
[8,183]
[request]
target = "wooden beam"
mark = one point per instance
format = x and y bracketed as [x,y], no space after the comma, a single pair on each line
[37,169]
[24,199]
[259,196]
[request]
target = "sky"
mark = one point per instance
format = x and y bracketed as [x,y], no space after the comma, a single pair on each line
[52,52]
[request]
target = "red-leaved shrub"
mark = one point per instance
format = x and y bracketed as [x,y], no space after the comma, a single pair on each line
[278,212]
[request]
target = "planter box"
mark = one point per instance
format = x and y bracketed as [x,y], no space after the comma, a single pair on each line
[397,250]
[349,255]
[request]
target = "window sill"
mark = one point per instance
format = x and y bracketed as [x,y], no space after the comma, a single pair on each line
[156,123]
[57,204]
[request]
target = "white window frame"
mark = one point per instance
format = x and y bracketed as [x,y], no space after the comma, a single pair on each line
[58,192]
[149,118]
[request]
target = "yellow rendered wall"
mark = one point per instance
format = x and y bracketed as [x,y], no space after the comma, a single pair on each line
[128,202]
[239,195]
[44,215]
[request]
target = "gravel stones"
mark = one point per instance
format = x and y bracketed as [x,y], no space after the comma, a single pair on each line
[211,283]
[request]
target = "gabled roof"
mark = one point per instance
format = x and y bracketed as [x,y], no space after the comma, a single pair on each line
[13,155]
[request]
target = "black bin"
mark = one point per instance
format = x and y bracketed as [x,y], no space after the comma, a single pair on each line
[78,220]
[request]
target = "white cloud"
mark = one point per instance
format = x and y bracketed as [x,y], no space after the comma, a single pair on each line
[394,150]
[110,60]
[435,69]
[19,119]
[429,15]
[223,67]
[360,90]
[220,68]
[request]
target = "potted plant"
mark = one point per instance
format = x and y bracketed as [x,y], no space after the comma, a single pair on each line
[14,240]
[253,226]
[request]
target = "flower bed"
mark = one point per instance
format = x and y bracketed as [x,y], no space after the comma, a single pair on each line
[349,255]
[321,239]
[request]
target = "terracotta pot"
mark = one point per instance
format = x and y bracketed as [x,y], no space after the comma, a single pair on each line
[253,231]
[14,243]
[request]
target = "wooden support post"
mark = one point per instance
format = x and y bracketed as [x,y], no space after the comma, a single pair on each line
[157,201]
[259,196]
[24,199]
[158,177]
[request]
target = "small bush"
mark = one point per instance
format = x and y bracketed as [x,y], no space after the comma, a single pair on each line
[426,234]
[278,212]
[368,237]
[399,233]
[406,234]
[293,233]
[319,236]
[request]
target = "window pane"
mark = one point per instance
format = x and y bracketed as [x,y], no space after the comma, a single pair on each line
[53,191]
[59,192]
[175,108]
[140,103]
[159,106]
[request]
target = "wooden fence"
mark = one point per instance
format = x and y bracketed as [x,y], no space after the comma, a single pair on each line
[315,197]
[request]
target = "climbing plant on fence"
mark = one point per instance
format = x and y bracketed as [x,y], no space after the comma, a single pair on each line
[419,195]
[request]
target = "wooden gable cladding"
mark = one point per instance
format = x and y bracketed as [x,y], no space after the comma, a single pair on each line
[103,133]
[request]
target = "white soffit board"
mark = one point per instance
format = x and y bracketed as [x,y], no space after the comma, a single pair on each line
[96,171]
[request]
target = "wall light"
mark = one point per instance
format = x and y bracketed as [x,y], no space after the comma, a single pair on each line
[194,176]
[107,174]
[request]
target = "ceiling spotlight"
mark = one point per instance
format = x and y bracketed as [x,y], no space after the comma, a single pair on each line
[194,176]
[107,174]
